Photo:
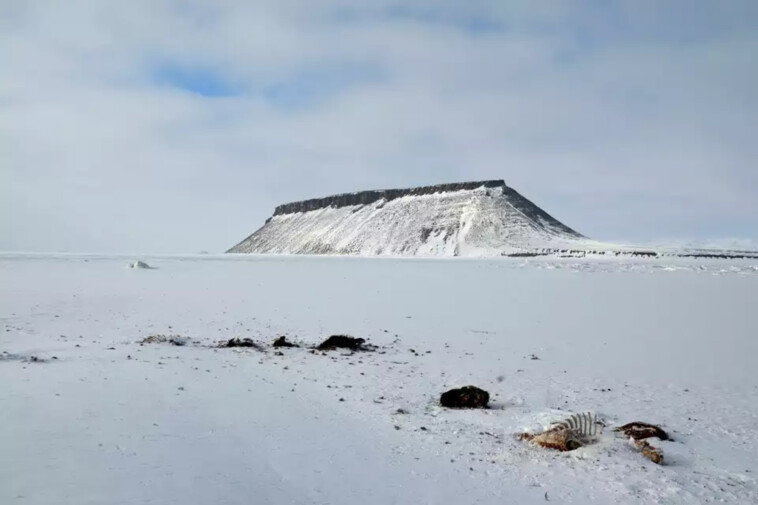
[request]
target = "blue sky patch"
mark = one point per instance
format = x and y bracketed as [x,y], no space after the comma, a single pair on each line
[203,81]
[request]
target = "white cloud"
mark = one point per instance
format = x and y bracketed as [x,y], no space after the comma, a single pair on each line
[631,121]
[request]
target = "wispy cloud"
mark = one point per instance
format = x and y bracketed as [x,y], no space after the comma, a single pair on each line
[469,21]
[307,86]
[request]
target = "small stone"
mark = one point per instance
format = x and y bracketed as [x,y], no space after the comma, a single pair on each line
[283,342]
[241,342]
[467,397]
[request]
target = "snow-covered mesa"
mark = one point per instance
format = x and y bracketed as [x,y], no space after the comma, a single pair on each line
[98,418]
[484,218]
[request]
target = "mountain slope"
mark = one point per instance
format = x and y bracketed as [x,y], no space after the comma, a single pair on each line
[484,218]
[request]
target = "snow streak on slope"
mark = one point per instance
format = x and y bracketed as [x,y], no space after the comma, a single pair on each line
[468,219]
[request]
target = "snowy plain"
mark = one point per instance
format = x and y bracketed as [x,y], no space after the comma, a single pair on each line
[101,419]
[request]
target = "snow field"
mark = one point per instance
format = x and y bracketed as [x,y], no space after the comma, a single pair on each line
[110,421]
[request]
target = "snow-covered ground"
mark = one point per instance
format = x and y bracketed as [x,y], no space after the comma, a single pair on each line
[667,341]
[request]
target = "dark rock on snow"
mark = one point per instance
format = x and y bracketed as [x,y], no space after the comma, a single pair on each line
[342,342]
[241,342]
[283,342]
[467,397]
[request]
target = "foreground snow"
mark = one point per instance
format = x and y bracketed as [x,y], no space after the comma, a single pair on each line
[110,421]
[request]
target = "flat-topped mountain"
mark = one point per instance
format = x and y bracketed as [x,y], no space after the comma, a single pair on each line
[485,218]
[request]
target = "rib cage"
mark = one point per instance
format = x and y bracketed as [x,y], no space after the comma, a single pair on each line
[584,424]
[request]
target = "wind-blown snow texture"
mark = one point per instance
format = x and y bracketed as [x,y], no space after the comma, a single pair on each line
[484,218]
[670,341]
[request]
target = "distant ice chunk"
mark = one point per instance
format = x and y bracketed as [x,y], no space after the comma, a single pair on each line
[139,264]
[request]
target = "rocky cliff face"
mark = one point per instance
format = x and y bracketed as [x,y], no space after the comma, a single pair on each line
[485,218]
[368,197]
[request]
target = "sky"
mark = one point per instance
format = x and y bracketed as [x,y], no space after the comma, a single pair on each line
[171,126]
